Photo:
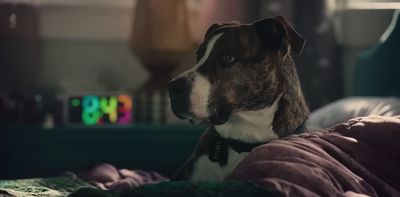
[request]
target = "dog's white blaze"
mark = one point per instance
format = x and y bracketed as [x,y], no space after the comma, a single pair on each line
[210,46]
[207,170]
[203,59]
[200,85]
[199,96]
[251,126]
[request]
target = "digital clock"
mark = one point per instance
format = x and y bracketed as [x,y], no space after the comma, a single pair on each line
[104,109]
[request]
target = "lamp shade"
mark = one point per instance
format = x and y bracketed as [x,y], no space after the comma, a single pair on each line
[160,31]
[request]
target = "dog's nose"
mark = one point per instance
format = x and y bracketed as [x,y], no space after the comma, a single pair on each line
[178,86]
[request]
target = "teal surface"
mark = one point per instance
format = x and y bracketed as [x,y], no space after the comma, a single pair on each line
[35,152]
[377,70]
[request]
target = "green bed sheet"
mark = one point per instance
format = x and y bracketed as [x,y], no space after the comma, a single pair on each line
[41,187]
[68,186]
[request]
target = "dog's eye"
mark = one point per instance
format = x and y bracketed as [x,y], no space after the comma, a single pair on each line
[228,59]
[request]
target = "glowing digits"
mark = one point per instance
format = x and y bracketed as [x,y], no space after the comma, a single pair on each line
[90,113]
[125,109]
[94,108]
[109,106]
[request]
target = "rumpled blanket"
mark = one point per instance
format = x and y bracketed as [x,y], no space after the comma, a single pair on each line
[108,177]
[358,158]
[361,156]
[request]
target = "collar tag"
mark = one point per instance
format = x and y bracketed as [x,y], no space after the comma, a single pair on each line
[218,152]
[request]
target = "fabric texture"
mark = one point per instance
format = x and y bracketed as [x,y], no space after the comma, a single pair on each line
[186,188]
[41,187]
[357,157]
[108,177]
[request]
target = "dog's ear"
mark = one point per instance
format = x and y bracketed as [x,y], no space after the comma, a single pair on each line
[272,31]
[216,26]
[296,41]
[212,28]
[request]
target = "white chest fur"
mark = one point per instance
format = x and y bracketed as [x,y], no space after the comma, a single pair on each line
[207,170]
[246,126]
[250,126]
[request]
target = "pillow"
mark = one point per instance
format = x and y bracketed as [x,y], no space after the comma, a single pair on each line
[351,107]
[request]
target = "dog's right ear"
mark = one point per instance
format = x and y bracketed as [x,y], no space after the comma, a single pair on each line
[295,40]
[270,32]
[273,31]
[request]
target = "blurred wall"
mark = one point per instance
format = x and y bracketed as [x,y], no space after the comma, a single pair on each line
[84,47]
[85,44]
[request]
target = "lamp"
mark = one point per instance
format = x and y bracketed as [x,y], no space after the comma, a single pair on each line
[161,38]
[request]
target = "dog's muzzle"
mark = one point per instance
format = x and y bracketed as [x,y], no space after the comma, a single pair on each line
[179,94]
[180,90]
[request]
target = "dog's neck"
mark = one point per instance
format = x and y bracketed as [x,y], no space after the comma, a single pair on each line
[250,126]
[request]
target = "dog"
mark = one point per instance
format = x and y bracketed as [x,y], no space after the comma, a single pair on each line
[245,86]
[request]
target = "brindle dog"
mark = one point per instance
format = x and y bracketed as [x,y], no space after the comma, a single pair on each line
[245,85]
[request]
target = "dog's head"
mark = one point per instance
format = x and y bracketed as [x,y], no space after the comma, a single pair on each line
[239,67]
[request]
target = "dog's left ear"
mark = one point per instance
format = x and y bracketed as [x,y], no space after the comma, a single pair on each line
[216,26]
[212,28]
[272,31]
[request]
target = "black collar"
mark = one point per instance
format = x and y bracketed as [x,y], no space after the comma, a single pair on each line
[240,146]
[218,152]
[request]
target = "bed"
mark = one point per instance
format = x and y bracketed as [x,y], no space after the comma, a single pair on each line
[359,156]
[355,158]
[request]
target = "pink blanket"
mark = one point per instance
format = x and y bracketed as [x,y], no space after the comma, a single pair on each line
[107,177]
[361,156]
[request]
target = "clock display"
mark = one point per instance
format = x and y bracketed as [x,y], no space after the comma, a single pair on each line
[100,109]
